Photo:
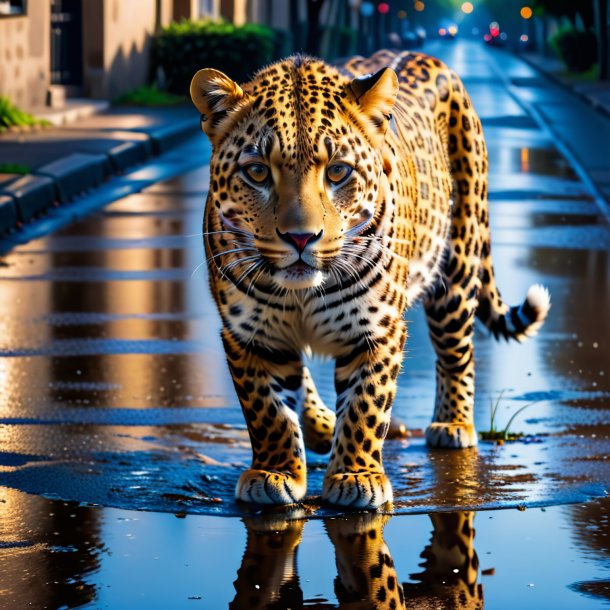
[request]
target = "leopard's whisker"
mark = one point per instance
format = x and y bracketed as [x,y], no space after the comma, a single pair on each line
[249,270]
[232,251]
[239,261]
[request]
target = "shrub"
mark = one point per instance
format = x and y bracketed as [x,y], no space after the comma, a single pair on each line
[13,117]
[577,49]
[149,95]
[14,168]
[338,42]
[282,44]
[184,47]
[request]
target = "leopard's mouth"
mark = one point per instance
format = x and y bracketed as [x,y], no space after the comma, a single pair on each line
[300,266]
[298,275]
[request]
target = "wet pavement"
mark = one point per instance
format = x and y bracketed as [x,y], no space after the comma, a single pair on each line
[116,400]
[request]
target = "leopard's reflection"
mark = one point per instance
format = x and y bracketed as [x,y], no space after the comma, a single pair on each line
[450,566]
[366,577]
[268,578]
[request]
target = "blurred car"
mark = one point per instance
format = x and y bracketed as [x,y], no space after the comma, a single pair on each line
[495,37]
[449,32]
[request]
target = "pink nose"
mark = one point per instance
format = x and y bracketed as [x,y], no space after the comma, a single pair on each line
[300,240]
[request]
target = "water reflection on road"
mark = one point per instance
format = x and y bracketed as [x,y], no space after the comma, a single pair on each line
[56,554]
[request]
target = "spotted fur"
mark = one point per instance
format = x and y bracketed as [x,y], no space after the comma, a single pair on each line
[338,198]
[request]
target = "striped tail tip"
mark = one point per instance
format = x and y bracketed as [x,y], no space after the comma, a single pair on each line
[526,319]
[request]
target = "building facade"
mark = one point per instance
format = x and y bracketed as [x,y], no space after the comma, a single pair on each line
[51,49]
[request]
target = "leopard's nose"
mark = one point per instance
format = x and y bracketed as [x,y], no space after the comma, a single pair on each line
[299,240]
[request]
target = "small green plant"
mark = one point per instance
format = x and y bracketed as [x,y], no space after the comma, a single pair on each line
[14,168]
[149,95]
[11,116]
[493,434]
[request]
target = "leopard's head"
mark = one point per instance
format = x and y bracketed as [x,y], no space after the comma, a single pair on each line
[297,162]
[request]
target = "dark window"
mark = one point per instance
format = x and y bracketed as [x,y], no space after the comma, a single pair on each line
[12,8]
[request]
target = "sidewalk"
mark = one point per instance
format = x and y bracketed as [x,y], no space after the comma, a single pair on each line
[597,93]
[579,123]
[70,160]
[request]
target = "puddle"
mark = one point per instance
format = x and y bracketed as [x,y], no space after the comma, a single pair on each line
[540,558]
[539,161]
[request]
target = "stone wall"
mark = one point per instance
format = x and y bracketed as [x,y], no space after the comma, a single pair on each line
[117,42]
[24,55]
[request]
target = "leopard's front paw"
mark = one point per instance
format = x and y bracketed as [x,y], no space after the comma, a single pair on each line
[366,490]
[270,487]
[451,436]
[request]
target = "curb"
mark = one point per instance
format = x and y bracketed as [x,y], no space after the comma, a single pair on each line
[31,196]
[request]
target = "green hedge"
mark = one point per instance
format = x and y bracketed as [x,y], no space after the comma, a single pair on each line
[577,49]
[184,47]
[338,42]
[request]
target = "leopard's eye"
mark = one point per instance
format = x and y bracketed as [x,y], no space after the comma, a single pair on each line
[338,172]
[257,172]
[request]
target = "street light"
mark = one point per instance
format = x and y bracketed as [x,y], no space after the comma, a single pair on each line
[467,8]
[419,6]
[526,12]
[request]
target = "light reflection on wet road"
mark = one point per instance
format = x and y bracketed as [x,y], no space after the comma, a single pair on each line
[115,393]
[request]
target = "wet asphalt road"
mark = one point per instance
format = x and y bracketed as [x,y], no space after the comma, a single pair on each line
[115,392]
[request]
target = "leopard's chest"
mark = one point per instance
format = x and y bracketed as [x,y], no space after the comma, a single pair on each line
[324,324]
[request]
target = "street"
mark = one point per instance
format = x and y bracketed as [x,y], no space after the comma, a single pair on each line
[117,398]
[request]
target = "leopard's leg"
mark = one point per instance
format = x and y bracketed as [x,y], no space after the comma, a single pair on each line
[451,310]
[269,390]
[450,317]
[317,420]
[365,381]
[268,574]
[366,577]
[451,566]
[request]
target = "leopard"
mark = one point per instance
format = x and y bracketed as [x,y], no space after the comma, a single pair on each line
[339,197]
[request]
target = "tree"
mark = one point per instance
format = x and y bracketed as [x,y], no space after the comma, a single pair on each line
[314,30]
[569,9]
[594,17]
[603,48]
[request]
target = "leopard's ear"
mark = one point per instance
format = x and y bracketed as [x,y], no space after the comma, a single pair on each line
[376,96]
[216,96]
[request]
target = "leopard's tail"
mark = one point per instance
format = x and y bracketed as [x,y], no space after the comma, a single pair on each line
[517,322]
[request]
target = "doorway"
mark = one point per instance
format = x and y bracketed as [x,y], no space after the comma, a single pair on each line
[67,43]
